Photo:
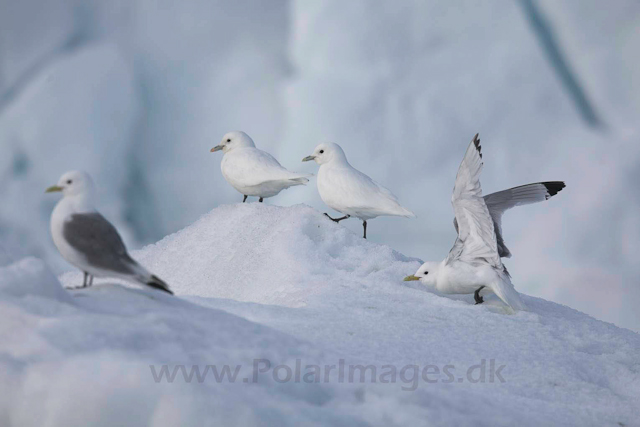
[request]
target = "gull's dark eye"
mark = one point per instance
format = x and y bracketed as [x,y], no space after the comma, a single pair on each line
[426,272]
[229,140]
[68,181]
[321,151]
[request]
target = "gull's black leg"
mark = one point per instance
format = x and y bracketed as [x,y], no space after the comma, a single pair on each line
[364,225]
[337,219]
[85,283]
[477,297]
[245,198]
[260,199]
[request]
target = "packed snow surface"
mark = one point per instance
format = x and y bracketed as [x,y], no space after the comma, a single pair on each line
[258,283]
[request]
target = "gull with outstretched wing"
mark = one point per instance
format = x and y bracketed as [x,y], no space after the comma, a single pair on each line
[473,264]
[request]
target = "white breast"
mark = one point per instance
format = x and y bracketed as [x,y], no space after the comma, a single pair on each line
[230,171]
[63,210]
[330,190]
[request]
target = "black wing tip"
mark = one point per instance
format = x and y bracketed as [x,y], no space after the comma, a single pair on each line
[157,283]
[476,142]
[553,187]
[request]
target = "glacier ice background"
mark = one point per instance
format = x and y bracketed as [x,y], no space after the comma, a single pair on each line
[136,92]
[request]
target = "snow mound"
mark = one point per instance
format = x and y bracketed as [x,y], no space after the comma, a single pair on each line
[31,277]
[257,282]
[268,254]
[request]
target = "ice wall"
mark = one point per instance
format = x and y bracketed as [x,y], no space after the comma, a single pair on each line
[78,113]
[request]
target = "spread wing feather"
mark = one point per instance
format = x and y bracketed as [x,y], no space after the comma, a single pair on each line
[499,202]
[476,240]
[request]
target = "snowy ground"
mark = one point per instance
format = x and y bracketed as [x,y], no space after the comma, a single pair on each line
[258,283]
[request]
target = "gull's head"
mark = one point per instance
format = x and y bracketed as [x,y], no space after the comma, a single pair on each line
[232,140]
[426,274]
[73,183]
[327,152]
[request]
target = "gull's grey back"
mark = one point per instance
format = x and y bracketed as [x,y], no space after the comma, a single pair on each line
[93,236]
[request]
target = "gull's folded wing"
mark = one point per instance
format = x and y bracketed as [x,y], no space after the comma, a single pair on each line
[95,238]
[255,167]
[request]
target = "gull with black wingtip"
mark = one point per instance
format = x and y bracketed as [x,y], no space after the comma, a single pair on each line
[474,263]
[87,240]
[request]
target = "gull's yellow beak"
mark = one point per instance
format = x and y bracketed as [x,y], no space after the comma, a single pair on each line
[306,159]
[53,189]
[411,278]
[217,148]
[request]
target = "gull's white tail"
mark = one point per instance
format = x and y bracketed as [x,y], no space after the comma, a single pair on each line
[405,212]
[504,289]
[300,180]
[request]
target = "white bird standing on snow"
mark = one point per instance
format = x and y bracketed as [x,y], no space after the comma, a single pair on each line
[87,240]
[251,171]
[349,191]
[473,263]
